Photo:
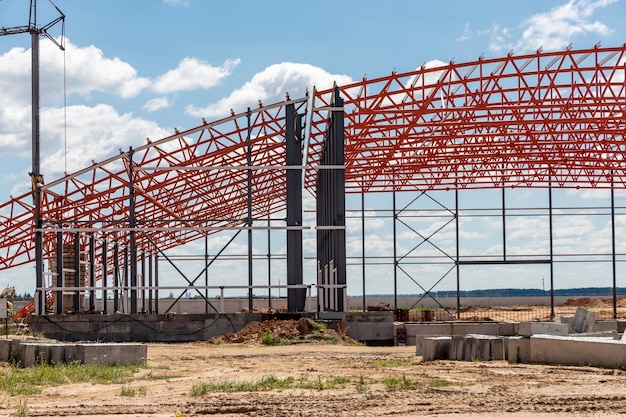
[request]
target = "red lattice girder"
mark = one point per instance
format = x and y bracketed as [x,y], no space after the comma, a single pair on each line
[538,120]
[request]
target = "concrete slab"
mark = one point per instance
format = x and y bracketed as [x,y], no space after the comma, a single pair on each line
[499,348]
[518,349]
[456,348]
[583,320]
[530,328]
[563,350]
[370,325]
[436,348]
[113,353]
[5,349]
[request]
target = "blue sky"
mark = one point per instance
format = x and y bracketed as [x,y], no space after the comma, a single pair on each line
[137,69]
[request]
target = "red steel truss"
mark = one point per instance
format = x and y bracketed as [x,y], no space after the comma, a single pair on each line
[539,120]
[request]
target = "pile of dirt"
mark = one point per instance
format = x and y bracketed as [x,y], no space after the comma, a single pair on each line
[303,330]
[588,302]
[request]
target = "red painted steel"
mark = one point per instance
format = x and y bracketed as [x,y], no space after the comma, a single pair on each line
[538,120]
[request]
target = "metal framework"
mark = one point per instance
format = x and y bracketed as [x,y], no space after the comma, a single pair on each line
[549,120]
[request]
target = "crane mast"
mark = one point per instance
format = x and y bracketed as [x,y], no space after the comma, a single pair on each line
[36,177]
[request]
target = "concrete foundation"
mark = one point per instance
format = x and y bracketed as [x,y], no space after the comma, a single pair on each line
[139,327]
[561,350]
[29,353]
[374,327]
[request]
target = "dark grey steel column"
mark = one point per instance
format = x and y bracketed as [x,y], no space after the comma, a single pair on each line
[293,146]
[59,280]
[331,204]
[363,244]
[150,261]
[249,219]
[132,224]
[92,273]
[142,284]
[395,248]
[105,273]
[77,271]
[551,249]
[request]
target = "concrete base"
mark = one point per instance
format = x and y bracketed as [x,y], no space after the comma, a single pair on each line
[139,327]
[561,350]
[376,327]
[29,353]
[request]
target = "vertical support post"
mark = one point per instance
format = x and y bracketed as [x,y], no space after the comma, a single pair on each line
[613,248]
[116,277]
[458,256]
[206,273]
[395,250]
[40,295]
[77,282]
[269,263]
[92,273]
[503,223]
[150,261]
[60,275]
[105,273]
[363,244]
[132,243]
[249,219]
[551,249]
[142,284]
[156,284]
[125,289]
[331,203]
[293,149]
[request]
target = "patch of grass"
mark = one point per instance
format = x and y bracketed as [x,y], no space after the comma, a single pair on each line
[266,383]
[392,362]
[321,383]
[398,383]
[268,339]
[133,392]
[439,383]
[21,409]
[31,380]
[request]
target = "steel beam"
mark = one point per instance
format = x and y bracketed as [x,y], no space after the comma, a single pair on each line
[293,148]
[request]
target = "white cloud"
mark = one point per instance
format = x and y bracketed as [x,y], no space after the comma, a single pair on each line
[180,3]
[157,104]
[554,29]
[466,35]
[271,85]
[193,74]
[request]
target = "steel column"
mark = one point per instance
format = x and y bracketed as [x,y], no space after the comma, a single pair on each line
[77,282]
[293,149]
[249,216]
[331,209]
[59,280]
[92,273]
[551,249]
[132,222]
[105,273]
[116,277]
[613,248]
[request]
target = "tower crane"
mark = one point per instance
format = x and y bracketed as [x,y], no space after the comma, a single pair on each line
[36,177]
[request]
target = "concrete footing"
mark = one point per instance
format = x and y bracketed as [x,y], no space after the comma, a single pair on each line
[29,353]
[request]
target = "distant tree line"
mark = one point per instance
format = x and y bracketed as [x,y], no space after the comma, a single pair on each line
[515,292]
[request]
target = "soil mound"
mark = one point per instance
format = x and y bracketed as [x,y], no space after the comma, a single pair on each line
[286,332]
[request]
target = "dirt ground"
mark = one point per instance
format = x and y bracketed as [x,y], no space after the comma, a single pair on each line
[439,388]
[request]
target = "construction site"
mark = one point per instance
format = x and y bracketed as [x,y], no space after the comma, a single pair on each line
[286,180]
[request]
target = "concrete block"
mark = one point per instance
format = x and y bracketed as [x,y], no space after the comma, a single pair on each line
[478,347]
[610,334]
[113,353]
[563,350]
[71,354]
[371,325]
[5,350]
[518,350]
[498,348]
[456,348]
[27,354]
[605,325]
[436,348]
[583,320]
[622,339]
[529,328]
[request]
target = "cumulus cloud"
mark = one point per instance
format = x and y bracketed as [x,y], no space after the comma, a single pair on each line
[192,74]
[271,85]
[157,104]
[554,29]
[179,3]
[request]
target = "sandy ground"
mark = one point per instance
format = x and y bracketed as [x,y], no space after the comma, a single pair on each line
[440,388]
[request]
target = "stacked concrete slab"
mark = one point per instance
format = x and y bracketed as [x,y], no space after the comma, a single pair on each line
[28,353]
